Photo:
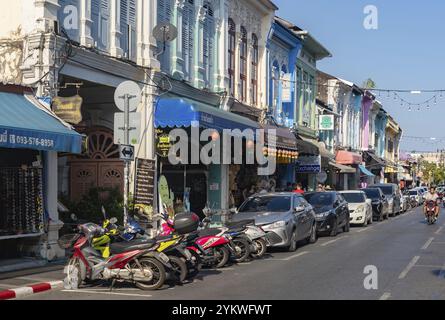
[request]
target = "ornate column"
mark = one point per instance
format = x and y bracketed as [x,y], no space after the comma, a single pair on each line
[176,53]
[86,23]
[115,35]
[198,48]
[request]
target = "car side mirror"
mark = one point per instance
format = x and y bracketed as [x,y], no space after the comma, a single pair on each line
[299,209]
[233,211]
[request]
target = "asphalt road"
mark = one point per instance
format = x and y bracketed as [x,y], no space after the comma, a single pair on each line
[409,257]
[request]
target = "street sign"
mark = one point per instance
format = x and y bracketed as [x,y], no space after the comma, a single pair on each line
[132,90]
[126,152]
[134,128]
[286,89]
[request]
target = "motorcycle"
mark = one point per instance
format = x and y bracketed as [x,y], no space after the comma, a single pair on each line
[431,212]
[255,234]
[135,262]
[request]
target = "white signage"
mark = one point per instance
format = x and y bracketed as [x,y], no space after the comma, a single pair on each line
[126,152]
[286,94]
[135,126]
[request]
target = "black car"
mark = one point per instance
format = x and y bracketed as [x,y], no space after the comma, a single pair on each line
[379,203]
[392,194]
[331,211]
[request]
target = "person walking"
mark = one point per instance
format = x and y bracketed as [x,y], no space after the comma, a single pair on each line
[299,189]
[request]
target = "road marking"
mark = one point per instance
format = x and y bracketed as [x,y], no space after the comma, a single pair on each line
[385,296]
[363,230]
[438,230]
[409,267]
[295,256]
[109,293]
[427,244]
[7,285]
[427,266]
[332,241]
[35,279]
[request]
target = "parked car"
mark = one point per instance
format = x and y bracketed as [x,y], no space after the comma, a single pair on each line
[380,206]
[286,217]
[416,198]
[331,211]
[391,191]
[360,207]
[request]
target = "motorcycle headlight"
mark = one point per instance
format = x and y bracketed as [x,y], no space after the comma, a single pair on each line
[277,224]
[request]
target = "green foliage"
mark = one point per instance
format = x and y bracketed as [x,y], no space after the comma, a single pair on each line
[369,84]
[432,172]
[89,207]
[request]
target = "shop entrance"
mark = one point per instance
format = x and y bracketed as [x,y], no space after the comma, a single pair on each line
[100,167]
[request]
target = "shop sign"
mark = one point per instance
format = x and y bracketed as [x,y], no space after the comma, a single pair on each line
[144,185]
[286,94]
[68,108]
[309,164]
[163,143]
[326,122]
[134,127]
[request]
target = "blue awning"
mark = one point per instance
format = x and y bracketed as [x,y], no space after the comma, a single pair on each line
[27,125]
[365,171]
[178,112]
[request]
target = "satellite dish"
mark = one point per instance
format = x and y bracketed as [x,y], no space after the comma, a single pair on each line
[165,32]
[133,90]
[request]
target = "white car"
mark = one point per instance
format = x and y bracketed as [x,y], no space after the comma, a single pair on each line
[360,207]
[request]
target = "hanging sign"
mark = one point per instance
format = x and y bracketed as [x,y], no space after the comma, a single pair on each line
[163,143]
[309,164]
[326,122]
[68,108]
[286,92]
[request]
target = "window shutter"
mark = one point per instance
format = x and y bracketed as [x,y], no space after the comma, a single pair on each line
[104,24]
[95,16]
[187,38]
[208,44]
[124,26]
[132,29]
[72,33]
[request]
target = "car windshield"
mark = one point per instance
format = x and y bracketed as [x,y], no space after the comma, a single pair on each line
[386,189]
[372,193]
[266,204]
[320,199]
[354,197]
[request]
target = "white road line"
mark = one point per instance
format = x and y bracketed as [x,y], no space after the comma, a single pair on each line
[385,296]
[108,293]
[332,241]
[427,244]
[409,267]
[427,266]
[295,255]
[7,285]
[35,279]
[438,230]
[363,230]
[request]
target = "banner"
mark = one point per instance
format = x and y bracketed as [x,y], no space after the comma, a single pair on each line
[68,108]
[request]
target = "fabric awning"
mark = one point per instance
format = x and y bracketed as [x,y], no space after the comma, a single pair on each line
[373,157]
[347,157]
[342,168]
[285,139]
[307,146]
[27,124]
[178,112]
[365,171]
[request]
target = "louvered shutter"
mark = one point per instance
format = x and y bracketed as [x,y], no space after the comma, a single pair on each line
[104,24]
[185,39]
[132,29]
[73,33]
[208,45]
[164,15]
[95,16]
[124,26]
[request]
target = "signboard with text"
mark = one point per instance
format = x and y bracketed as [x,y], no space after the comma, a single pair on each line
[326,122]
[144,182]
[68,108]
[308,164]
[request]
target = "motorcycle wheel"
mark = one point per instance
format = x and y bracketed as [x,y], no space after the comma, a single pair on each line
[73,279]
[262,248]
[179,271]
[158,274]
[221,256]
[242,247]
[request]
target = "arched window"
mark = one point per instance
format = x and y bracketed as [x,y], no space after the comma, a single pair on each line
[165,15]
[231,56]
[243,65]
[255,61]
[188,27]
[208,44]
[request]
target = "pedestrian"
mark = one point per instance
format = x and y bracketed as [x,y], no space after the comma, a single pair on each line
[320,187]
[299,189]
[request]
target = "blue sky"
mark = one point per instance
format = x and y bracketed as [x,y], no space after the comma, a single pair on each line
[407,51]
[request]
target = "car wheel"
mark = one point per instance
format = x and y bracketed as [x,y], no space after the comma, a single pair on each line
[347,226]
[365,224]
[293,242]
[370,219]
[334,229]
[313,237]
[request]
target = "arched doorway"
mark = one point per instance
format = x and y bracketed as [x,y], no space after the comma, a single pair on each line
[99,167]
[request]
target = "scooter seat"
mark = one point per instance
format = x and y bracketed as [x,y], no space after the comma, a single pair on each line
[119,247]
[209,232]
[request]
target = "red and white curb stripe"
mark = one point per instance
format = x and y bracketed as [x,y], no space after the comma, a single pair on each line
[26,291]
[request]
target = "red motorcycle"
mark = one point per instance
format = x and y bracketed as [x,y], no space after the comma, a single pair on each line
[135,261]
[431,212]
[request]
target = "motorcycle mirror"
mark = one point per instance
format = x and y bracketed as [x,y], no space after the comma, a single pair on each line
[113,220]
[73,217]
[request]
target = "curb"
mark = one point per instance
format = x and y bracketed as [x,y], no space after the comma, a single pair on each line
[29,290]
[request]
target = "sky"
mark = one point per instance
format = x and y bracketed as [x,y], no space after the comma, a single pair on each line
[406,51]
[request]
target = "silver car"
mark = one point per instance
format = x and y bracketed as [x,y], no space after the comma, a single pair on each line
[286,217]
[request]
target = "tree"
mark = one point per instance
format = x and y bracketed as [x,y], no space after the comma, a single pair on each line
[369,84]
[432,172]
